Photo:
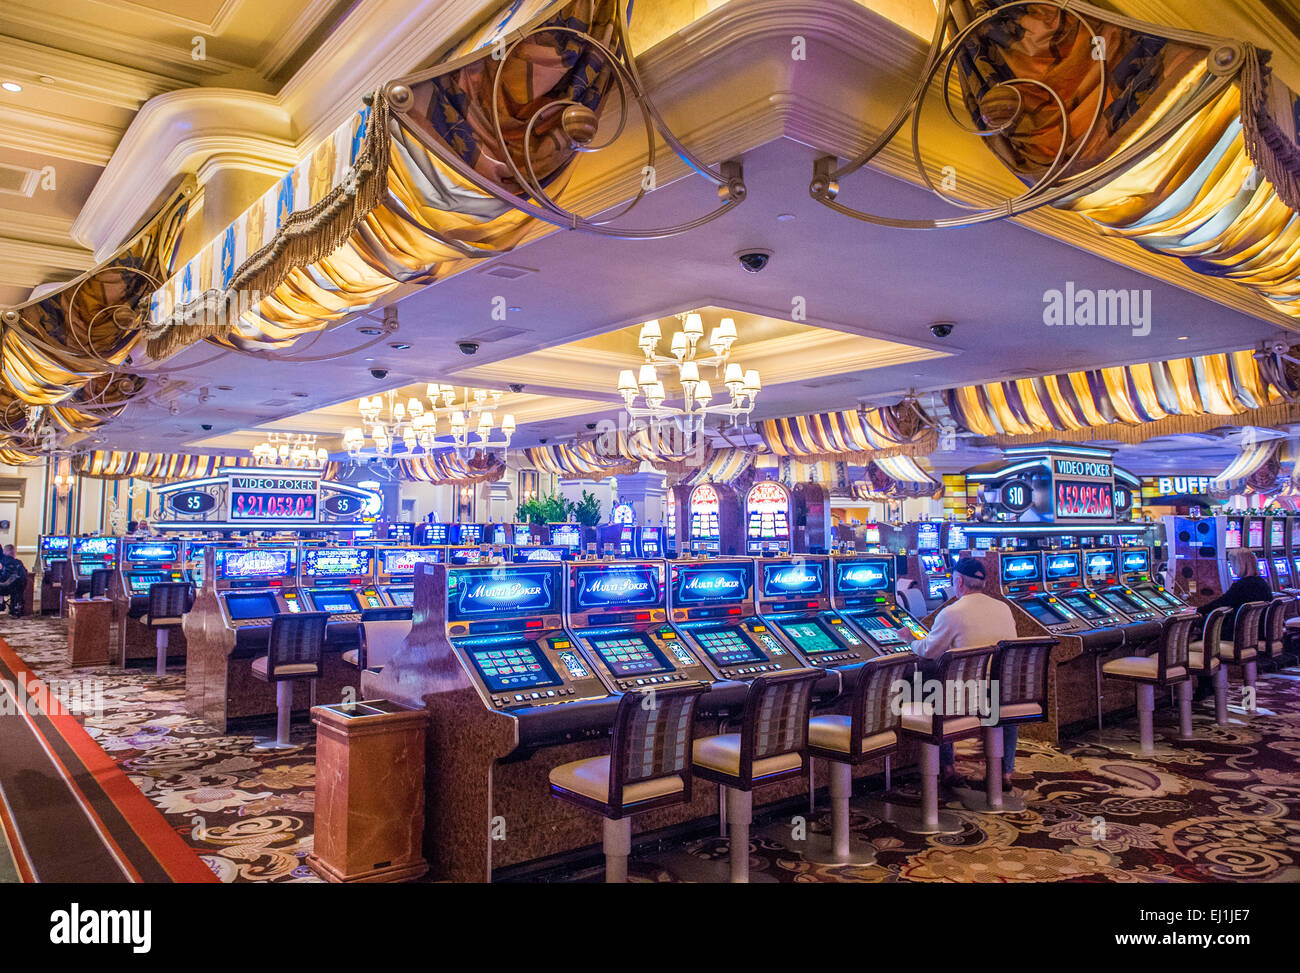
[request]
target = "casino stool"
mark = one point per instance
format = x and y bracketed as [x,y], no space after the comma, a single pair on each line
[58,572]
[913,600]
[1166,667]
[647,767]
[1274,632]
[957,666]
[1019,670]
[294,651]
[168,602]
[1244,651]
[377,640]
[772,746]
[1203,660]
[99,579]
[868,732]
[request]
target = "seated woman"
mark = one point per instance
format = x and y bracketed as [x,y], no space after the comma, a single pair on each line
[1249,586]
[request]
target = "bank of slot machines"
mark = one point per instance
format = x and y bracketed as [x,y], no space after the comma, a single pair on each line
[1101,572]
[339,581]
[768,508]
[509,535]
[1136,572]
[395,572]
[90,554]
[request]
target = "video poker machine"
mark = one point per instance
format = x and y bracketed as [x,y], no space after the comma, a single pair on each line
[431,534]
[617,540]
[339,581]
[50,548]
[254,584]
[568,536]
[794,597]
[1101,572]
[91,554]
[395,572]
[1275,552]
[768,509]
[146,563]
[617,613]
[1255,542]
[465,535]
[711,603]
[650,542]
[862,593]
[1135,572]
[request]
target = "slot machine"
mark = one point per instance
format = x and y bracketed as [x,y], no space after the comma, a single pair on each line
[618,615]
[1293,547]
[1255,542]
[862,594]
[1048,587]
[1275,552]
[1234,536]
[540,552]
[711,604]
[470,555]
[650,542]
[767,519]
[253,585]
[401,533]
[670,531]
[92,554]
[465,535]
[143,564]
[1135,572]
[431,534]
[1101,574]
[617,540]
[568,536]
[794,597]
[339,581]
[51,548]
[395,572]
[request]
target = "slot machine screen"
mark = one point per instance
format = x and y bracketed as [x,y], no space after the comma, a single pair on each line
[1161,599]
[933,563]
[566,535]
[404,561]
[140,582]
[956,538]
[793,579]
[260,605]
[1067,540]
[810,636]
[927,536]
[435,533]
[502,592]
[334,602]
[1255,533]
[54,546]
[506,667]
[523,535]
[711,584]
[1263,567]
[93,546]
[498,534]
[1117,599]
[1295,531]
[1232,533]
[1101,564]
[530,554]
[862,577]
[404,597]
[1129,540]
[1059,567]
[871,535]
[469,534]
[152,553]
[882,628]
[1085,606]
[259,562]
[1282,568]
[601,588]
[1277,533]
[938,588]
[631,655]
[1020,569]
[983,543]
[1043,612]
[727,647]
[1232,571]
[1135,562]
[335,562]
[464,555]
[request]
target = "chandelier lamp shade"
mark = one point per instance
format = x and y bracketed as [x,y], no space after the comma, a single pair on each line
[646,397]
[295,451]
[393,427]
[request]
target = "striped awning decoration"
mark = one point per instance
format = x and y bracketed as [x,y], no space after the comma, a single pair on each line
[579,461]
[725,466]
[857,436]
[153,467]
[895,478]
[445,468]
[1133,403]
[1255,469]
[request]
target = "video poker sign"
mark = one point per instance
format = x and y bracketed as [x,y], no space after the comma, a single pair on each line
[1083,489]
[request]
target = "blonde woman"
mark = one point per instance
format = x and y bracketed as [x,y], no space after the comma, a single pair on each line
[1249,586]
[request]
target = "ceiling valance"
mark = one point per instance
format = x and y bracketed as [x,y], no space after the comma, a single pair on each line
[154,467]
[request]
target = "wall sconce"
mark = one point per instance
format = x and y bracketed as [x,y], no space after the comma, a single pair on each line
[62,484]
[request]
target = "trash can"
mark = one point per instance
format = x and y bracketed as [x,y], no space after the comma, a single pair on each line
[89,620]
[369,792]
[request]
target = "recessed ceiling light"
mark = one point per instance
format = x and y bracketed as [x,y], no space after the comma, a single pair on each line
[785,217]
[225,388]
[45,79]
[399,346]
[300,395]
[514,308]
[370,330]
[13,86]
[1182,337]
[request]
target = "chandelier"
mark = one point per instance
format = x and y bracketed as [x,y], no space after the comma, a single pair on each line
[470,424]
[286,449]
[687,357]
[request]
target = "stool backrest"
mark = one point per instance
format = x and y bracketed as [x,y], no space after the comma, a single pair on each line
[872,710]
[57,572]
[1020,669]
[653,736]
[1246,627]
[296,641]
[387,613]
[99,582]
[1175,638]
[168,599]
[776,717]
[378,639]
[1212,636]
[1275,623]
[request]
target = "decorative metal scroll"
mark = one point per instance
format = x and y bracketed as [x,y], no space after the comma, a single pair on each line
[569,123]
[1002,100]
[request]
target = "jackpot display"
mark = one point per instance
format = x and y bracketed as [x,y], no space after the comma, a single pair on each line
[1061,485]
[252,499]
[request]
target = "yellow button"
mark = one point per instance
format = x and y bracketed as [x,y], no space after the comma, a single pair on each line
[760,628]
[561,645]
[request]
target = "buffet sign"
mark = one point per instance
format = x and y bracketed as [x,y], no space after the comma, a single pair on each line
[244,499]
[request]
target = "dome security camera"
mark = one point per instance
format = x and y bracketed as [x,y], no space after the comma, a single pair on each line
[468,347]
[379,373]
[941,329]
[516,387]
[206,426]
[754,260]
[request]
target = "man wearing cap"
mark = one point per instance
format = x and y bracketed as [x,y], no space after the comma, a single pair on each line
[973,619]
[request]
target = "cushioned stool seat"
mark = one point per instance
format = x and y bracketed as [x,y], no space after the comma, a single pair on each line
[833,733]
[590,778]
[1228,650]
[1167,666]
[283,671]
[722,754]
[917,720]
[1140,667]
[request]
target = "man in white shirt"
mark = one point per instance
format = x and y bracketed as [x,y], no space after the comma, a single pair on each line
[974,619]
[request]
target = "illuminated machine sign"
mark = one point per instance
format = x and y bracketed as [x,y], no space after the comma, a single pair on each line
[1057,484]
[502,592]
[259,562]
[1100,564]
[1082,500]
[253,499]
[1171,486]
[793,578]
[334,562]
[1058,567]
[927,536]
[595,588]
[1135,562]
[705,507]
[93,546]
[404,561]
[711,584]
[1020,568]
[53,546]
[566,535]
[623,513]
[859,577]
[152,553]
[768,506]
[1254,533]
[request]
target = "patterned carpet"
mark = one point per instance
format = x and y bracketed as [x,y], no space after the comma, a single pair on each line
[1222,808]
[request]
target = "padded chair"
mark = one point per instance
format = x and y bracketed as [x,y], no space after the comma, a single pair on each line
[1203,660]
[1243,649]
[1274,633]
[1019,671]
[168,603]
[377,641]
[913,600]
[59,572]
[295,649]
[932,728]
[869,731]
[648,767]
[772,746]
[1167,667]
[99,579]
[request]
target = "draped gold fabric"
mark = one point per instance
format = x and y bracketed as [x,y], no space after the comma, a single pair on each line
[153,467]
[860,436]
